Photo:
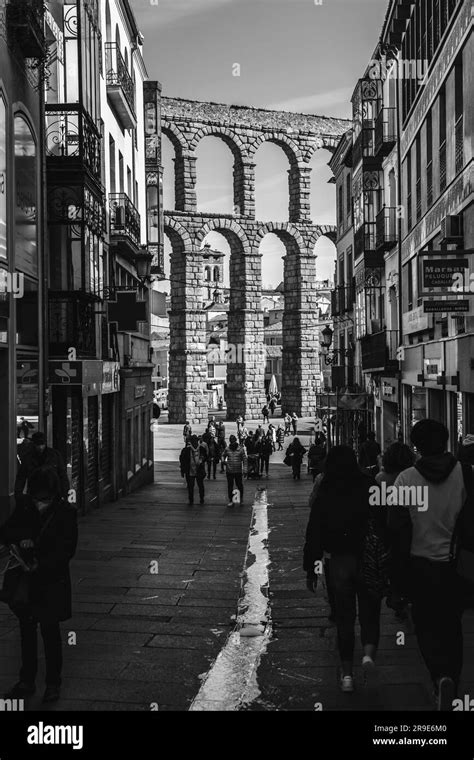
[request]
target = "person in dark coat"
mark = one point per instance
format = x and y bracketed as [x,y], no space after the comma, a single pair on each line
[43,527]
[295,452]
[213,456]
[337,532]
[41,455]
[317,455]
[192,462]
[369,453]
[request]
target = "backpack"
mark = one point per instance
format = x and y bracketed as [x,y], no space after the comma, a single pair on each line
[462,542]
[375,561]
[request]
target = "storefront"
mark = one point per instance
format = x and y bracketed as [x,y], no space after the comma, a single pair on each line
[85,409]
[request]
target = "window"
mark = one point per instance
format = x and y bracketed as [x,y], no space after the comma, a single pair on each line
[348,195]
[113,181]
[459,114]
[429,159]
[442,139]
[341,204]
[418,176]
[3,180]
[26,258]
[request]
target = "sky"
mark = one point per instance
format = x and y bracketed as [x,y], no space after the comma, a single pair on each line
[294,55]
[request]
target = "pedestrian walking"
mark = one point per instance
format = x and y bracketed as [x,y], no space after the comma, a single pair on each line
[236,467]
[397,458]
[338,528]
[294,456]
[24,428]
[212,426]
[221,442]
[271,435]
[42,535]
[435,588]
[213,456]
[187,432]
[280,436]
[287,424]
[369,453]
[41,455]
[192,463]
[317,455]
[265,414]
[266,450]
[272,406]
[294,423]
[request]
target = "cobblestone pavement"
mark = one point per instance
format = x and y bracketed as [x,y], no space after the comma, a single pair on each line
[142,639]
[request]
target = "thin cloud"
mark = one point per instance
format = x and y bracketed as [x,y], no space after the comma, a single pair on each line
[165,12]
[320,103]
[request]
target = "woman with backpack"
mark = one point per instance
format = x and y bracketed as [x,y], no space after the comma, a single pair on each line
[344,528]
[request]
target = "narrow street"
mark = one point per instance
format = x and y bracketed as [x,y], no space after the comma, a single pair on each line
[156,589]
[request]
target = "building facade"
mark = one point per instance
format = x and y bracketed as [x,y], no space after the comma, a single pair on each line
[99,363]
[22,274]
[412,174]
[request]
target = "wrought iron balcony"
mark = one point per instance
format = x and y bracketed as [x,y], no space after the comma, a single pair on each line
[379,351]
[386,228]
[385,131]
[73,142]
[72,322]
[120,86]
[25,24]
[365,244]
[124,224]
[342,299]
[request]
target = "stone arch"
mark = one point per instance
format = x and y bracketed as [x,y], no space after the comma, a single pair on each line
[324,142]
[290,147]
[287,232]
[231,230]
[328,230]
[178,235]
[230,137]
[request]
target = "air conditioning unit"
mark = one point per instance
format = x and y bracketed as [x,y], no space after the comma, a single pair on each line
[451,229]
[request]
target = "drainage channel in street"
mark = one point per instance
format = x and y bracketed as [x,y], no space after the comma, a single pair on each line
[231,683]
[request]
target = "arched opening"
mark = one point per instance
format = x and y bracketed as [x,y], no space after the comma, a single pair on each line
[169,154]
[271,183]
[125,56]
[214,170]
[273,251]
[326,254]
[216,260]
[117,37]
[322,192]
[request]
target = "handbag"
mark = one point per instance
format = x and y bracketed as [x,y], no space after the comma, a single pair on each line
[16,589]
[462,542]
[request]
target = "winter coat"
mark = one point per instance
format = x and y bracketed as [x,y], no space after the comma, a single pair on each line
[339,519]
[296,452]
[185,460]
[236,459]
[50,584]
[33,460]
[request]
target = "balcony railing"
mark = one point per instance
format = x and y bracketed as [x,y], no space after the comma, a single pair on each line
[124,223]
[442,166]
[25,23]
[379,351]
[385,131]
[364,146]
[459,149]
[120,86]
[365,243]
[72,322]
[342,299]
[72,139]
[387,228]
[429,184]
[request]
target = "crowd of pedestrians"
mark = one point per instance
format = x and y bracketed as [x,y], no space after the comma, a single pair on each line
[406,548]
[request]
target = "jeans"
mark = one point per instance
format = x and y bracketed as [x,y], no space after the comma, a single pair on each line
[191,480]
[234,477]
[264,462]
[295,428]
[51,634]
[437,615]
[212,464]
[347,588]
